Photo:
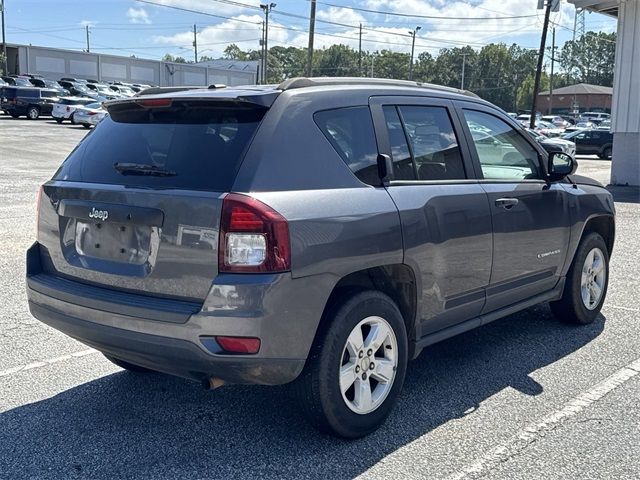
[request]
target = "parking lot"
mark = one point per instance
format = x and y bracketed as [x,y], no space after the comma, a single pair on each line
[524,397]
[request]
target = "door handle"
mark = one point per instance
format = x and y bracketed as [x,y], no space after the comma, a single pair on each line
[506,203]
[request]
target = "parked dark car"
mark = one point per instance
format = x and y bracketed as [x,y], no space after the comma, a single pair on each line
[78,89]
[17,81]
[31,102]
[50,84]
[320,232]
[592,142]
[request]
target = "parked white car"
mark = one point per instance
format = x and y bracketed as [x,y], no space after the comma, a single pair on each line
[89,115]
[65,108]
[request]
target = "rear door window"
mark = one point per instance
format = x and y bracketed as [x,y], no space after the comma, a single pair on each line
[189,145]
[350,132]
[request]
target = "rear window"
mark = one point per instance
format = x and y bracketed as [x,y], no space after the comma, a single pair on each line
[350,132]
[199,146]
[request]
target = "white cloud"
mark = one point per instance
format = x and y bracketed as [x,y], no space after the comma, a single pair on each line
[208,6]
[138,15]
[88,23]
[212,40]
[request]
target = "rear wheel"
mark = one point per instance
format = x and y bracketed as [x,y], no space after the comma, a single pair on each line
[73,118]
[59,120]
[606,153]
[356,369]
[33,113]
[15,115]
[126,365]
[86,125]
[587,282]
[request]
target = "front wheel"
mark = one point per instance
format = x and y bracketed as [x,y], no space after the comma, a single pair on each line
[587,282]
[606,153]
[356,369]
[33,113]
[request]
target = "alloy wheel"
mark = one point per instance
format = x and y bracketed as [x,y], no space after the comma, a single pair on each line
[593,280]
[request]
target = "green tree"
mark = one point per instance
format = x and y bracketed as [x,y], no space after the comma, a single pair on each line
[336,61]
[590,58]
[388,64]
[525,91]
[448,67]
[234,52]
[494,75]
[170,58]
[423,69]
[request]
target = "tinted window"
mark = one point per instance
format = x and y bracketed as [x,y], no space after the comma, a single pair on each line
[504,154]
[350,131]
[403,167]
[200,144]
[433,143]
[29,93]
[47,94]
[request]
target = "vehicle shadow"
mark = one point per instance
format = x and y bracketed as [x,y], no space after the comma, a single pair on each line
[153,426]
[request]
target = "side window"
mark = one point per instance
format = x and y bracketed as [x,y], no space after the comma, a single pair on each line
[403,168]
[504,154]
[433,143]
[350,132]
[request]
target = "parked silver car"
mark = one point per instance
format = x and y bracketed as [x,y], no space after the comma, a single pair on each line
[89,115]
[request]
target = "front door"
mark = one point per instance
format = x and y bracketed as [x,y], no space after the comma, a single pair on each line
[444,212]
[530,216]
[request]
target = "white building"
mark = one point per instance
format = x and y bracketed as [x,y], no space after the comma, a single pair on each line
[55,63]
[625,169]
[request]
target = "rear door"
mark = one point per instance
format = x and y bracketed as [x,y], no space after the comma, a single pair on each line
[445,214]
[530,216]
[136,206]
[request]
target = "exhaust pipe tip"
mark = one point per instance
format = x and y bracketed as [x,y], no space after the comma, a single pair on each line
[213,383]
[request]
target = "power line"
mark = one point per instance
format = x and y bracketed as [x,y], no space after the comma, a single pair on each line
[413,15]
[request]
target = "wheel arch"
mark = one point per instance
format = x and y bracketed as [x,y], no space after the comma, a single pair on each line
[398,281]
[604,225]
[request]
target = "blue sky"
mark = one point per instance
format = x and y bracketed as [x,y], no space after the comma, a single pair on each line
[149,30]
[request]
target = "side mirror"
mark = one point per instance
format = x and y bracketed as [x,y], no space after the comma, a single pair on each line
[561,165]
[385,168]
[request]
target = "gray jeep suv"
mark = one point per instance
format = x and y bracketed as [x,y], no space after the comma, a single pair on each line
[320,232]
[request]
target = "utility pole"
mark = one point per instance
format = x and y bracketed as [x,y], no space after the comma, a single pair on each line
[413,46]
[195,43]
[87,29]
[262,55]
[464,65]
[536,84]
[312,28]
[360,52]
[553,59]
[266,8]
[373,57]
[4,42]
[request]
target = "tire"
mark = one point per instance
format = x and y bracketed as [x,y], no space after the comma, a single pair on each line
[606,153]
[58,120]
[334,408]
[86,125]
[582,279]
[14,115]
[33,113]
[127,366]
[72,118]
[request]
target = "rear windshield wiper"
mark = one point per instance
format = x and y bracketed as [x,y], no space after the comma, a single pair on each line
[142,169]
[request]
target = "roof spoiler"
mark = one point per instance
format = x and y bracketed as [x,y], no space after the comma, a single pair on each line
[159,90]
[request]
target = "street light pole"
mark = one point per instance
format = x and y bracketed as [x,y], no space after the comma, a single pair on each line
[464,66]
[413,46]
[312,27]
[4,42]
[536,83]
[266,8]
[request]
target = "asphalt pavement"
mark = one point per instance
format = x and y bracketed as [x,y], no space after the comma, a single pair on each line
[524,397]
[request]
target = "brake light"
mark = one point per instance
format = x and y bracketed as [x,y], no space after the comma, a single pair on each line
[254,238]
[239,344]
[91,113]
[155,102]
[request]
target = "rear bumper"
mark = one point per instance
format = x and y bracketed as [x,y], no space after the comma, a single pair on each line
[159,335]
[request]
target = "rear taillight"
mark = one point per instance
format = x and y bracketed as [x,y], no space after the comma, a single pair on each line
[91,113]
[254,238]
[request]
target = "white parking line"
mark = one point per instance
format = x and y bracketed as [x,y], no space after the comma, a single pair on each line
[534,431]
[44,363]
